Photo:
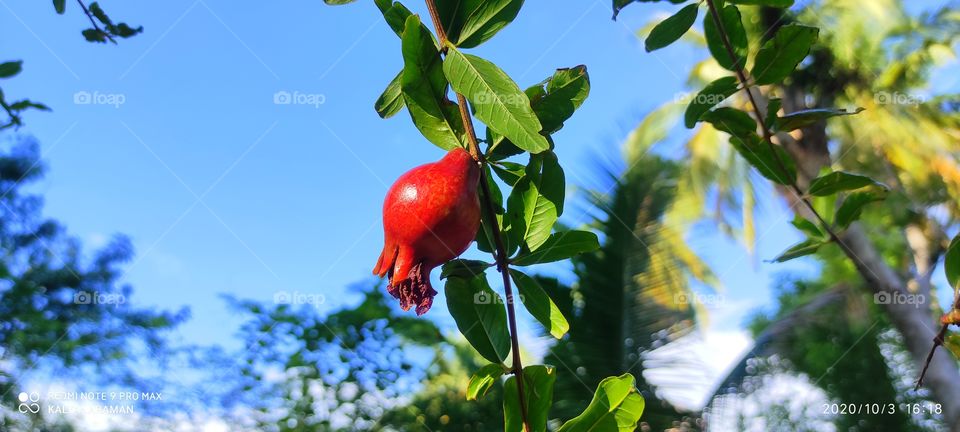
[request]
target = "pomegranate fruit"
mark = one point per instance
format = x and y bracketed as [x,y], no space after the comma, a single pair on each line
[430,216]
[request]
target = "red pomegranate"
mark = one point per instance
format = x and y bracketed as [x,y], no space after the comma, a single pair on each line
[430,216]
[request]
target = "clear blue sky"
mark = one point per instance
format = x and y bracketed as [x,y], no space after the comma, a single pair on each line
[291,194]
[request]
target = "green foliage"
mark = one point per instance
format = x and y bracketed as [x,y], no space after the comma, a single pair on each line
[480,316]
[497,100]
[536,202]
[669,30]
[469,23]
[732,28]
[839,181]
[804,248]
[951,263]
[424,88]
[771,161]
[391,101]
[109,30]
[464,268]
[540,305]
[483,379]
[853,206]
[559,246]
[616,406]
[710,96]
[538,383]
[781,54]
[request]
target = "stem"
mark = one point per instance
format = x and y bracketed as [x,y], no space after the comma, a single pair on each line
[768,138]
[502,260]
[94,22]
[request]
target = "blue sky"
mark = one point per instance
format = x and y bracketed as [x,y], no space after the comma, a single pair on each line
[224,191]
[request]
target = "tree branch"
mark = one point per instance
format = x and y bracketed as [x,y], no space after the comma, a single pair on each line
[93,21]
[502,260]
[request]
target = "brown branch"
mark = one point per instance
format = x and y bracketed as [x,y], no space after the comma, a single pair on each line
[938,339]
[503,263]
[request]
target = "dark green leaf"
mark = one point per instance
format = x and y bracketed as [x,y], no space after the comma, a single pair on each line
[98,12]
[395,14]
[391,101]
[616,406]
[94,35]
[424,88]
[464,268]
[555,99]
[730,19]
[509,172]
[536,201]
[709,97]
[9,69]
[951,263]
[480,316]
[770,161]
[804,248]
[496,99]
[799,119]
[731,121]
[560,246]
[853,205]
[773,107]
[482,380]
[469,23]
[807,227]
[669,30]
[540,305]
[538,390]
[26,103]
[838,181]
[123,30]
[782,53]
[60,6]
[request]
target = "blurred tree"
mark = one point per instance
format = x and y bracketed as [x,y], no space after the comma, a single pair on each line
[632,300]
[57,309]
[877,56]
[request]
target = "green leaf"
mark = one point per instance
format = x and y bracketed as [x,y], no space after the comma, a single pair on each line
[764,158]
[616,406]
[555,99]
[804,248]
[560,246]
[98,12]
[781,54]
[773,106]
[540,305]
[711,95]
[536,201]
[464,268]
[94,35]
[951,262]
[11,68]
[26,103]
[733,27]
[469,23]
[391,101]
[424,88]
[538,391]
[731,121]
[838,181]
[853,205]
[395,14]
[480,316]
[669,30]
[482,380]
[497,101]
[509,172]
[799,119]
[60,6]
[807,227]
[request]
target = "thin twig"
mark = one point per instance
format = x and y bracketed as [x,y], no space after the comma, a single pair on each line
[94,21]
[503,263]
[938,340]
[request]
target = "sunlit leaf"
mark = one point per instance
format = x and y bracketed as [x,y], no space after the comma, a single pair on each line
[804,248]
[672,28]
[538,391]
[782,53]
[536,201]
[469,23]
[540,305]
[480,316]
[616,407]
[391,101]
[482,380]
[711,95]
[560,246]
